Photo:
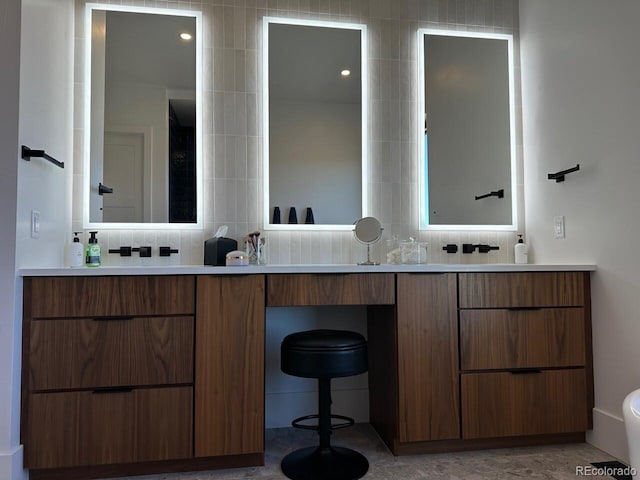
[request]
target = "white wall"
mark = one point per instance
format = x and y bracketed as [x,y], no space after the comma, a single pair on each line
[46,119]
[10,450]
[315,148]
[580,78]
[36,81]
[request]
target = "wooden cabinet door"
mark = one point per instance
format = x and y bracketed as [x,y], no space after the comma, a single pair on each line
[306,289]
[504,404]
[493,339]
[229,380]
[521,289]
[427,357]
[68,429]
[88,353]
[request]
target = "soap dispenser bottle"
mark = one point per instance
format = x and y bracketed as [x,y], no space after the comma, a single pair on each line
[92,253]
[521,251]
[74,254]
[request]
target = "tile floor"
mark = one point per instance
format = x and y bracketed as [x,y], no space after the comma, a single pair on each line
[557,462]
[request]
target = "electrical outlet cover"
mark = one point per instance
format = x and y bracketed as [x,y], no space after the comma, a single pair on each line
[558,226]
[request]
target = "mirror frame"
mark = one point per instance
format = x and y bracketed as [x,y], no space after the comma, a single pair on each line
[86,186]
[423,173]
[267,225]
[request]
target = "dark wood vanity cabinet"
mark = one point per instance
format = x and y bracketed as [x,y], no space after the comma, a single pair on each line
[229,401]
[147,374]
[107,370]
[414,392]
[480,360]
[525,354]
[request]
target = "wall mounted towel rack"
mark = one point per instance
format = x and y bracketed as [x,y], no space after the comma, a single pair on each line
[559,176]
[28,153]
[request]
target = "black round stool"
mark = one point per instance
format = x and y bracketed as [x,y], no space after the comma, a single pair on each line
[324,354]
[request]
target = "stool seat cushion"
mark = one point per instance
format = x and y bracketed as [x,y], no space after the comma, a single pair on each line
[324,353]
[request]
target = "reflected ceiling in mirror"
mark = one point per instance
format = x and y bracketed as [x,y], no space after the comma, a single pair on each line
[315,147]
[143,98]
[467,131]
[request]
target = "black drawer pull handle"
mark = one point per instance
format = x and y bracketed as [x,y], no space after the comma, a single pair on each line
[115,318]
[113,390]
[523,309]
[525,371]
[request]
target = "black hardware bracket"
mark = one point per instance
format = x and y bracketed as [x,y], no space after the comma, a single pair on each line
[470,248]
[28,154]
[144,251]
[167,251]
[559,176]
[123,251]
[450,248]
[497,193]
[102,189]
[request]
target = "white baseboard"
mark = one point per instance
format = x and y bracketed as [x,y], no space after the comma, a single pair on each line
[608,434]
[11,465]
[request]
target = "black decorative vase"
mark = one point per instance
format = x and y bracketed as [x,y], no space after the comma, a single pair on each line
[276,215]
[309,218]
[293,216]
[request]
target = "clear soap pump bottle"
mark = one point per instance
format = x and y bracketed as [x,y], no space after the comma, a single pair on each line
[74,255]
[521,251]
[92,252]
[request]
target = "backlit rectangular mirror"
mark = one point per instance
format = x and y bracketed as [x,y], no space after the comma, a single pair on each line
[467,131]
[315,117]
[143,118]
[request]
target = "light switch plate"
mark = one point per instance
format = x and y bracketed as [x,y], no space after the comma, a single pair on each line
[558,226]
[35,224]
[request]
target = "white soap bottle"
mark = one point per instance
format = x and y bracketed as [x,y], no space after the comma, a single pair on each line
[521,251]
[74,254]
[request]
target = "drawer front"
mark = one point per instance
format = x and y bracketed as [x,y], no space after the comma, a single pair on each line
[330,289]
[67,297]
[504,404]
[88,353]
[521,289]
[86,428]
[506,339]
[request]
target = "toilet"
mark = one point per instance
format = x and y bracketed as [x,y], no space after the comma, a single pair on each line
[631,413]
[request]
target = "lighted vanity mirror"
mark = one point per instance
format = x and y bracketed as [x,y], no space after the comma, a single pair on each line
[143,118]
[467,131]
[315,117]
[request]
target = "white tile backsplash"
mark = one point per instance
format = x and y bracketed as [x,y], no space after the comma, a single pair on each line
[232,125]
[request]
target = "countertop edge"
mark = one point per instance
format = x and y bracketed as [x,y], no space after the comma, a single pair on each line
[321,268]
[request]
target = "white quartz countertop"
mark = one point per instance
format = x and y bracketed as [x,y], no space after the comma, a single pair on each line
[324,268]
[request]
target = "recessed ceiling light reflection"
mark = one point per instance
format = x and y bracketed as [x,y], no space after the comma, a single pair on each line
[186,36]
[345,73]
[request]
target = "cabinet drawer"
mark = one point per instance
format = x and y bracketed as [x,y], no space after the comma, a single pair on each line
[506,339]
[521,289]
[330,289]
[86,428]
[66,297]
[88,353]
[506,404]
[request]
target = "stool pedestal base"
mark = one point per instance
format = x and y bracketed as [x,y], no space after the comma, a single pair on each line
[329,463]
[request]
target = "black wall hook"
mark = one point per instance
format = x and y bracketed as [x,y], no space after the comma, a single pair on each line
[559,176]
[27,154]
[102,189]
[497,193]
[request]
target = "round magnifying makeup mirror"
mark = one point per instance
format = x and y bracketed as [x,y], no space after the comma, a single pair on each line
[368,231]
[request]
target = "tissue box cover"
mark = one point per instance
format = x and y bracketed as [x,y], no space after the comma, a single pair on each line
[216,249]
